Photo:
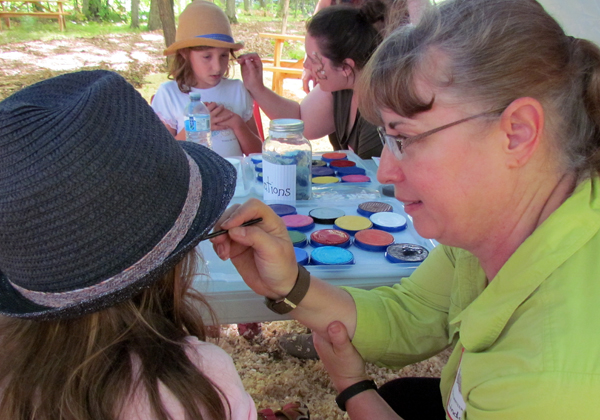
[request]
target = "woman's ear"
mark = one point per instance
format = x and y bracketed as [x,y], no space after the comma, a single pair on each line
[348,67]
[522,122]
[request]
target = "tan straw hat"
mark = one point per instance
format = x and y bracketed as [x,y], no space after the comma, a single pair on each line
[203,24]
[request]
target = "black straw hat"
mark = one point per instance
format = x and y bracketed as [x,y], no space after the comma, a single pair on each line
[97,200]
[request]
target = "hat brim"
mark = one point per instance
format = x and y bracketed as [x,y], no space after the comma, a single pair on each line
[218,187]
[202,42]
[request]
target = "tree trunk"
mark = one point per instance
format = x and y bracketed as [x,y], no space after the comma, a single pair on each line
[135,13]
[76,6]
[246,5]
[154,22]
[167,18]
[230,11]
[85,7]
[284,13]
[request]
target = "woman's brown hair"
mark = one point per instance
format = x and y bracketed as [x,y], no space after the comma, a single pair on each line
[81,368]
[492,52]
[181,70]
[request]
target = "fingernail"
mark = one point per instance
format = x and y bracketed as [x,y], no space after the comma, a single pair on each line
[335,328]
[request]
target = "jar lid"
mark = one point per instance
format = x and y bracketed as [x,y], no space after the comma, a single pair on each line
[286,124]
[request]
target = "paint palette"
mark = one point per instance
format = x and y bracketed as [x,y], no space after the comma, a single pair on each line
[369,257]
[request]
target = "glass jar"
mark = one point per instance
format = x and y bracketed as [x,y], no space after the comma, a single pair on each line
[287,161]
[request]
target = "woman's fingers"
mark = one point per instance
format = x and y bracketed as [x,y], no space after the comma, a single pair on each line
[341,359]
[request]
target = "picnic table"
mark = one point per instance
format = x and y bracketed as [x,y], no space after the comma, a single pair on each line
[282,69]
[52,9]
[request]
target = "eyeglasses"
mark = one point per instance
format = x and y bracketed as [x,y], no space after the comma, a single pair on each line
[397,144]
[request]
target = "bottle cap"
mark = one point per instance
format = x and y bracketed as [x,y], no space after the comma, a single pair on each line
[406,253]
[341,163]
[326,215]
[356,178]
[371,207]
[298,222]
[286,124]
[373,240]
[388,221]
[328,157]
[283,209]
[350,170]
[325,180]
[195,96]
[353,224]
[299,239]
[331,255]
[330,237]
[322,171]
[301,256]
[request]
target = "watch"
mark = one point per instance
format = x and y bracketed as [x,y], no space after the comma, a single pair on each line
[353,390]
[286,304]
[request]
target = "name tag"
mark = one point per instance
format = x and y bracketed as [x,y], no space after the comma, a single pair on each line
[456,403]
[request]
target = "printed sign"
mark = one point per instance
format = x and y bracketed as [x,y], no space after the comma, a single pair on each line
[279,182]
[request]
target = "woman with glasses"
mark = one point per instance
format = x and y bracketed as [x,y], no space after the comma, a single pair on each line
[491,121]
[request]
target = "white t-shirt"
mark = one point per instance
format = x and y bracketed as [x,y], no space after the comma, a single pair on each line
[169,103]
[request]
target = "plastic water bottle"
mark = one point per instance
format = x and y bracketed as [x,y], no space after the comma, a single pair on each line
[197,122]
[287,161]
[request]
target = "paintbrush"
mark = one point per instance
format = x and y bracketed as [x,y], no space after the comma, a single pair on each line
[221,232]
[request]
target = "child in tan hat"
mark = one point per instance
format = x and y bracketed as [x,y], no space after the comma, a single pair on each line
[202,48]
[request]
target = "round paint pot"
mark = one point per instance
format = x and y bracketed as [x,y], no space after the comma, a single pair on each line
[299,239]
[390,222]
[331,255]
[356,178]
[350,170]
[326,215]
[325,180]
[301,256]
[283,209]
[373,240]
[256,158]
[341,164]
[318,163]
[322,171]
[352,224]
[258,167]
[406,253]
[329,157]
[259,177]
[330,237]
[371,207]
[298,222]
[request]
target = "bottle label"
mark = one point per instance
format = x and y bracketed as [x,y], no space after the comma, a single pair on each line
[197,123]
[279,182]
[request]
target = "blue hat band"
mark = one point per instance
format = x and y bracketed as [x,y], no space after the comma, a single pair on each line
[217,37]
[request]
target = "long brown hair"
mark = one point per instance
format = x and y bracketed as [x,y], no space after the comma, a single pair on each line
[81,368]
[494,51]
[181,70]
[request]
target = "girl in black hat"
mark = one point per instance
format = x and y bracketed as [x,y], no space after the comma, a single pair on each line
[100,212]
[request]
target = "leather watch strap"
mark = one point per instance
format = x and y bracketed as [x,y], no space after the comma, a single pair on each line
[353,390]
[285,305]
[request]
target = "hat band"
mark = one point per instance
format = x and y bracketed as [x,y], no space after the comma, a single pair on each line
[147,263]
[217,37]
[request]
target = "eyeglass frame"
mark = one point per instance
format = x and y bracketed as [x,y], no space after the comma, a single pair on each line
[396,144]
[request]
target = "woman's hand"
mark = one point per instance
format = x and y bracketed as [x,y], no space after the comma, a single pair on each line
[341,359]
[252,71]
[262,253]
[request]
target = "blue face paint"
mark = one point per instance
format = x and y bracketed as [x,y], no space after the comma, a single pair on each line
[331,255]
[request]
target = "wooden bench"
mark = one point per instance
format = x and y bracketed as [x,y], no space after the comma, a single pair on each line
[45,12]
[282,69]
